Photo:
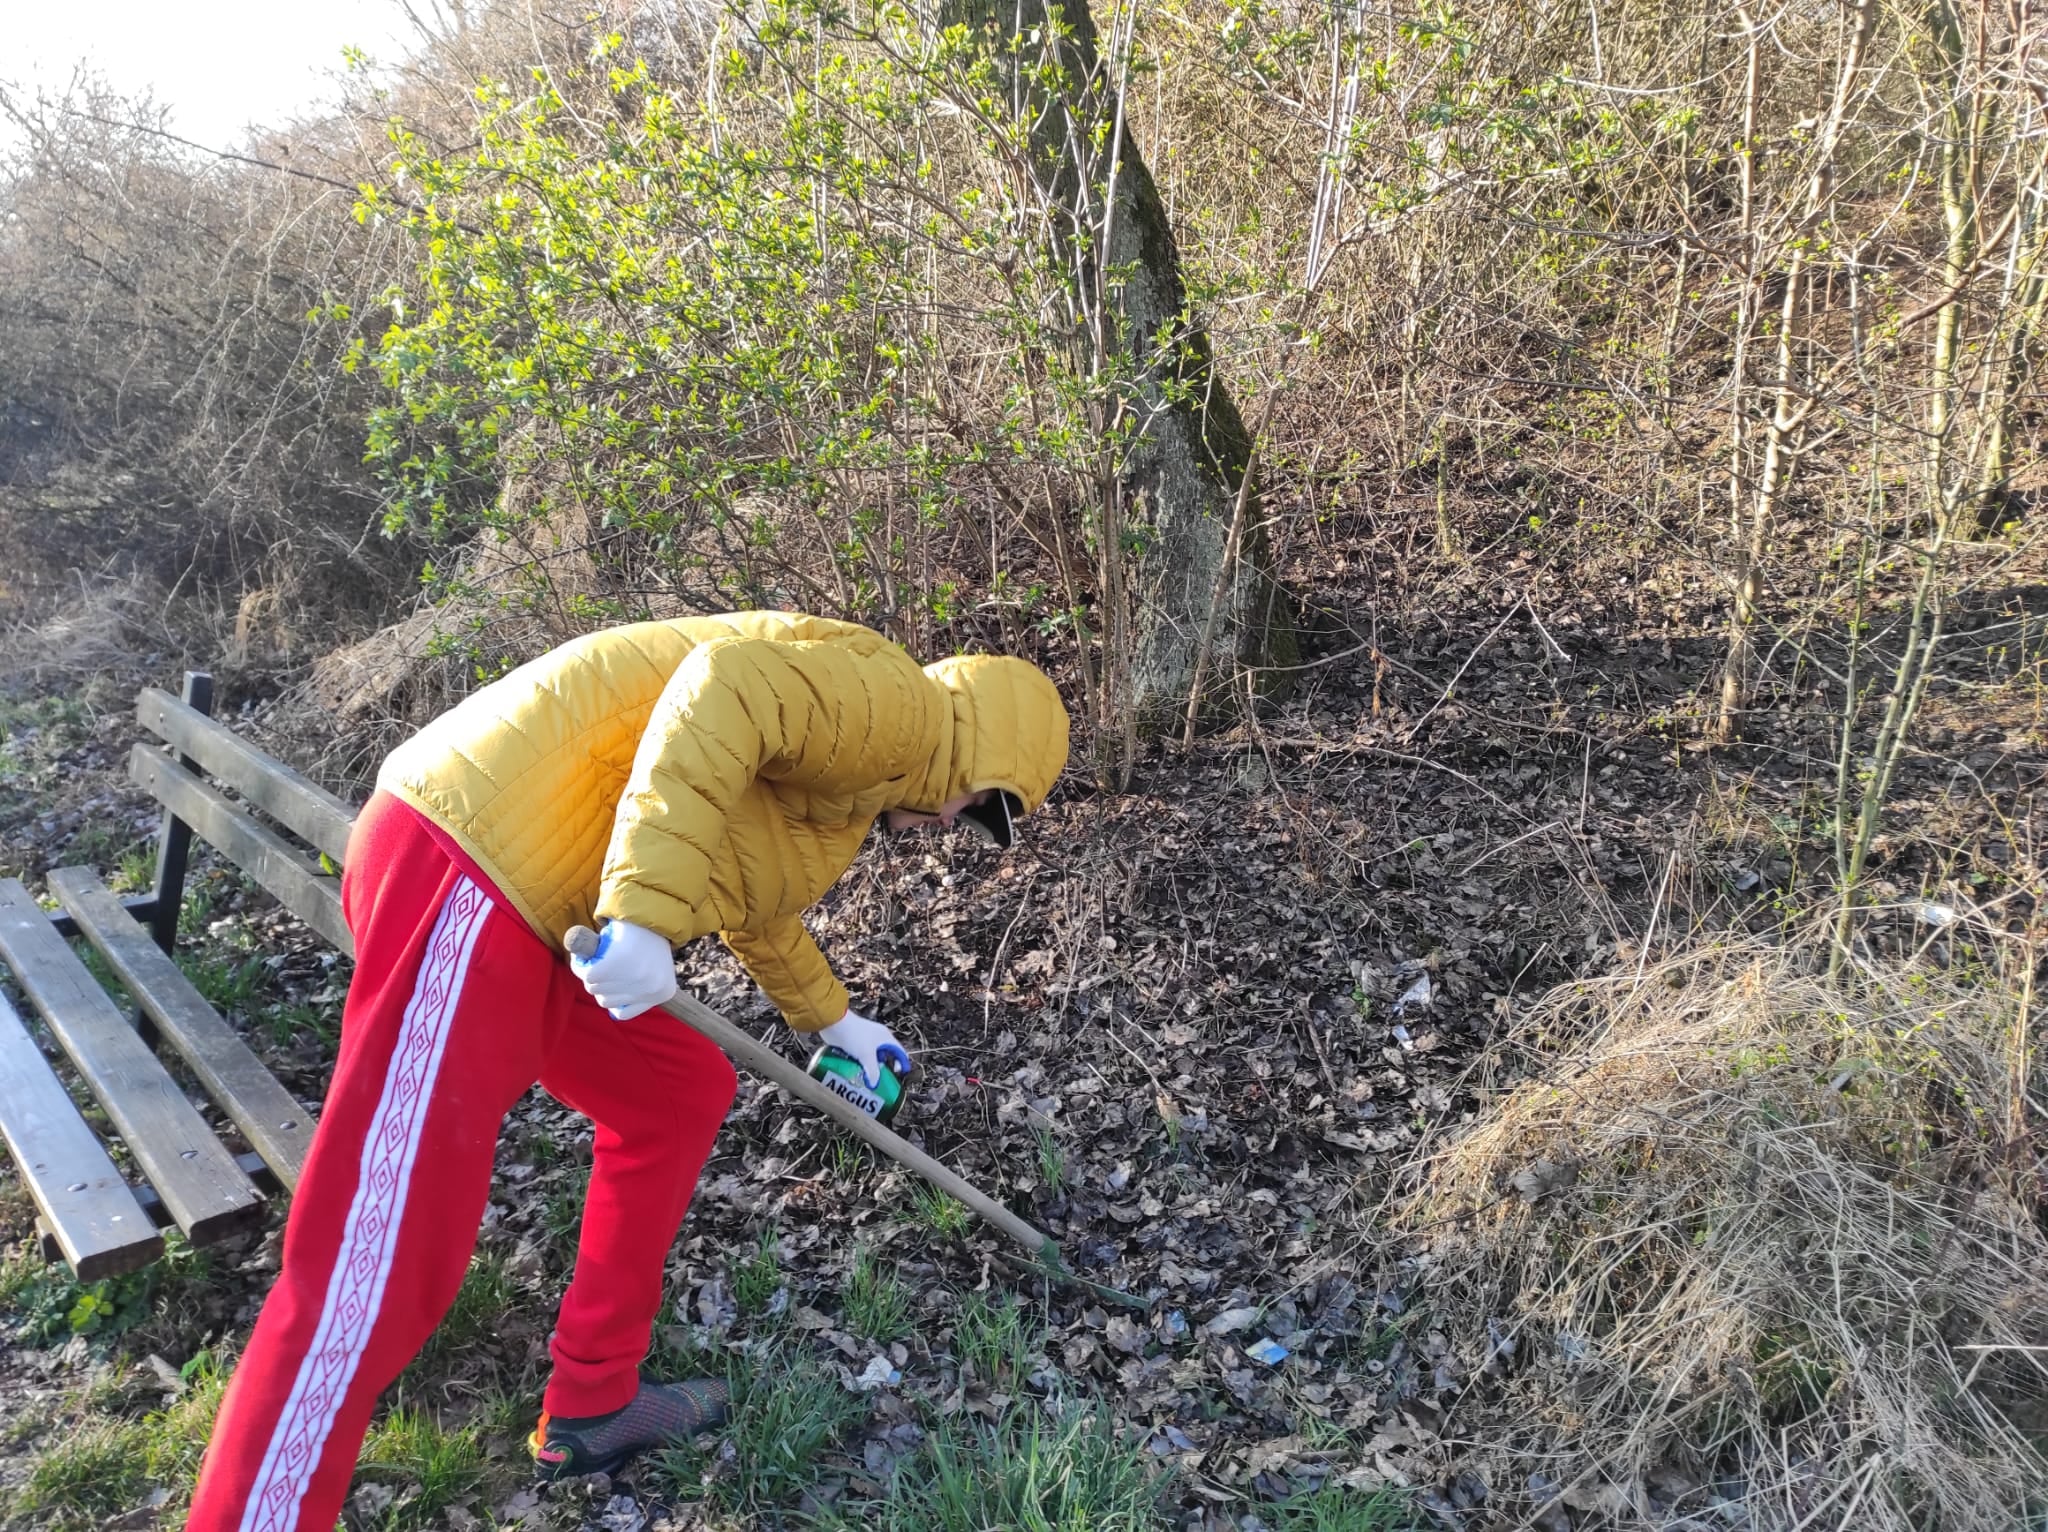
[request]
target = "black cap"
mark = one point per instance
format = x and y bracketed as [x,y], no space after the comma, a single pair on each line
[996,816]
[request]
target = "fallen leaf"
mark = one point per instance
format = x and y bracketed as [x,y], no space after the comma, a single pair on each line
[524,1506]
[1543,1178]
[373,1500]
[1127,1335]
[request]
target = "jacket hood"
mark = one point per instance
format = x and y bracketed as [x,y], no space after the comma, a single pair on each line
[1008,730]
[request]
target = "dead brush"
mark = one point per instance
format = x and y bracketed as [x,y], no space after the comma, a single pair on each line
[67,639]
[1758,1250]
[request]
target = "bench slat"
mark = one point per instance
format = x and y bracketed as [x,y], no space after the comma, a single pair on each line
[191,1169]
[99,1228]
[262,853]
[277,1127]
[303,806]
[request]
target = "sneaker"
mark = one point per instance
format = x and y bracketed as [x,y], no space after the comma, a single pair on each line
[660,1415]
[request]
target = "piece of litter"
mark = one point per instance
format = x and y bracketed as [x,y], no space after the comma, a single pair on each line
[1401,1033]
[1230,1321]
[879,1374]
[1269,1351]
[1935,914]
[1421,992]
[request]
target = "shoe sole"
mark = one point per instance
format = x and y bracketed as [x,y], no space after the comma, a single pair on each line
[570,1468]
[549,1473]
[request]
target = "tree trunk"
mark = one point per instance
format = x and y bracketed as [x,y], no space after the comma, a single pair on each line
[1178,477]
[1789,409]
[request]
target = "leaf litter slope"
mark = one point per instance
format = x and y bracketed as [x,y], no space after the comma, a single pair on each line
[1197,1030]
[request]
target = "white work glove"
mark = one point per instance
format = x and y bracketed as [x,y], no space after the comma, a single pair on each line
[867,1041]
[633,969]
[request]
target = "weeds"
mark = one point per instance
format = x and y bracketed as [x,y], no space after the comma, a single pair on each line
[108,1467]
[293,1020]
[136,871]
[786,1413]
[877,1304]
[43,1303]
[429,1467]
[756,1280]
[1345,1510]
[932,1209]
[998,1338]
[1025,1471]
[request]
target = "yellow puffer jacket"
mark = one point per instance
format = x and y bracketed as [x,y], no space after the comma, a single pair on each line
[718,774]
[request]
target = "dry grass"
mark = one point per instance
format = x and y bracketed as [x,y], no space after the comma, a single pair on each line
[1762,1249]
[98,629]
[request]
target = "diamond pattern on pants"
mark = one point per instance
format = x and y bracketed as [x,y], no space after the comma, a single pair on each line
[356,1289]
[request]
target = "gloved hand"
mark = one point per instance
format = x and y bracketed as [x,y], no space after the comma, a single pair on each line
[633,969]
[867,1041]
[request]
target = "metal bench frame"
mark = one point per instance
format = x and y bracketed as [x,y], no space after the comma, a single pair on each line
[90,1216]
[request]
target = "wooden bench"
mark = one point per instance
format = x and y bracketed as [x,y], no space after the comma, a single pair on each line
[90,1215]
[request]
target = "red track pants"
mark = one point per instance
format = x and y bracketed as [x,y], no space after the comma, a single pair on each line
[456,1009]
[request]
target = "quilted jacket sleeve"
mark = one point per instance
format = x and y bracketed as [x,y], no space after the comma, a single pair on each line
[810,714]
[792,972]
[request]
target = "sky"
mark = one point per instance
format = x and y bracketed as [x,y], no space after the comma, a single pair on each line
[219,64]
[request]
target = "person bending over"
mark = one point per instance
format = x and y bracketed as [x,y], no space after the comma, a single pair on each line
[670,780]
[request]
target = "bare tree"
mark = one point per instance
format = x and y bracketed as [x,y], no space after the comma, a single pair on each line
[1176,497]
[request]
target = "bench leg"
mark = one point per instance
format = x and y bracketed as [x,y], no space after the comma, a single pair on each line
[173,852]
[174,843]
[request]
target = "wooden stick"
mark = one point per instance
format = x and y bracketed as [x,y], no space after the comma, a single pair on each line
[766,1062]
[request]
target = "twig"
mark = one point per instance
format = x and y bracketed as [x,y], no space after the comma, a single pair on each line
[354,190]
[1409,733]
[995,964]
[1226,569]
[1493,851]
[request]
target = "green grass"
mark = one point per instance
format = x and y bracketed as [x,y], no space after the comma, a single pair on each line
[876,1303]
[1026,1472]
[1344,1510]
[487,1292]
[228,985]
[94,1473]
[428,1466]
[932,1209]
[136,871]
[562,1216]
[96,965]
[755,1280]
[787,1413]
[1052,1160]
[998,1339]
[107,1466]
[851,1159]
